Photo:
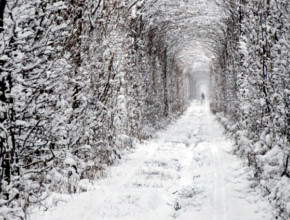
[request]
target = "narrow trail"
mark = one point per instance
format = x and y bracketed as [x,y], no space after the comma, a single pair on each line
[187,172]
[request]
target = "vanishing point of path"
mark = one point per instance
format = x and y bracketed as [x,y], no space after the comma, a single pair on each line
[188,172]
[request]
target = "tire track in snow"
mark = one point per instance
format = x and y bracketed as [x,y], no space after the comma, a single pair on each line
[219,198]
[133,166]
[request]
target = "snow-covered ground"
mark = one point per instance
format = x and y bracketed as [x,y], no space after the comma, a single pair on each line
[187,172]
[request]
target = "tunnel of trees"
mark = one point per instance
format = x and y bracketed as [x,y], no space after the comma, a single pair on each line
[81,80]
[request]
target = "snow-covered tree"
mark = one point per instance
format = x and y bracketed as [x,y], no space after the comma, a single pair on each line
[255,93]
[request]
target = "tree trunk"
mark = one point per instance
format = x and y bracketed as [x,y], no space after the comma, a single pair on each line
[2,7]
[165,84]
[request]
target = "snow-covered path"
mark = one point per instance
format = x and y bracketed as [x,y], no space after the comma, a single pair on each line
[187,172]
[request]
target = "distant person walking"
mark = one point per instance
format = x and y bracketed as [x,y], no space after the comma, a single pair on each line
[202,96]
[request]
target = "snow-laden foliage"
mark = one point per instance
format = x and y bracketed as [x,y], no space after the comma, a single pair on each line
[79,82]
[251,80]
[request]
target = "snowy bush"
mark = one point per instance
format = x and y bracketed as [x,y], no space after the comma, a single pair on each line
[251,84]
[79,82]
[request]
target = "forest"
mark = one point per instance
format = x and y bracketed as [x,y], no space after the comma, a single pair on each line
[83,80]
